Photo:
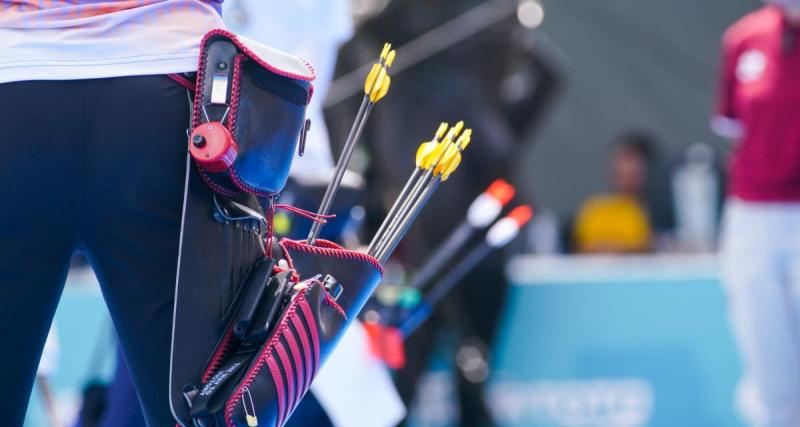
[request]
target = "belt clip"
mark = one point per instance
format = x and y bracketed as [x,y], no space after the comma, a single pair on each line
[219,86]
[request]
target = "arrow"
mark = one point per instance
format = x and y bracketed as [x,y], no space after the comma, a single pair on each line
[376,86]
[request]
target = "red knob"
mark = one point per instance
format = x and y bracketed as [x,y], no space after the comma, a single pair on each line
[212,147]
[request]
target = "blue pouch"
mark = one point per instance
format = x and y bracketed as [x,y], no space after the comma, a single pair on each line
[248,114]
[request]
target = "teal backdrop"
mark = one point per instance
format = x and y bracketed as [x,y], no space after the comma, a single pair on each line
[606,342]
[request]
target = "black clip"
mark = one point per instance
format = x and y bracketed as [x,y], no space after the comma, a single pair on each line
[190,391]
[301,149]
[333,286]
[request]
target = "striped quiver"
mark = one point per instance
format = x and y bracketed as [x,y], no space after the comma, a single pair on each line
[263,387]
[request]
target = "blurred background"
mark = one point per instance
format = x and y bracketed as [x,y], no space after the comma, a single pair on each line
[608,308]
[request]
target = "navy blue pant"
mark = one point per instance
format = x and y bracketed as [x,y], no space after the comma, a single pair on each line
[122,408]
[95,166]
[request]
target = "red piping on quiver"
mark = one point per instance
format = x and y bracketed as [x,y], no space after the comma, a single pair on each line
[218,355]
[236,90]
[280,389]
[294,350]
[313,216]
[328,248]
[291,380]
[235,39]
[265,357]
[248,53]
[305,346]
[274,355]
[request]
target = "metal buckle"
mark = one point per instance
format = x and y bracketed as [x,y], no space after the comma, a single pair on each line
[230,212]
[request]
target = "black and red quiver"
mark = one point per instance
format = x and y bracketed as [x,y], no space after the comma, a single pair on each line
[254,319]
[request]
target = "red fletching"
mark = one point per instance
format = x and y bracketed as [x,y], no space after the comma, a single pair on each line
[501,191]
[521,214]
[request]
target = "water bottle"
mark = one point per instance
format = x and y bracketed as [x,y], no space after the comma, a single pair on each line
[695,187]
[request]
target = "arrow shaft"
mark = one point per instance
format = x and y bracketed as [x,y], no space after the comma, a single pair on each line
[394,237]
[442,287]
[406,204]
[434,264]
[415,319]
[404,193]
[341,166]
[443,255]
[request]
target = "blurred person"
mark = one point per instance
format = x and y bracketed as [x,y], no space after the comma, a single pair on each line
[93,159]
[619,222]
[759,108]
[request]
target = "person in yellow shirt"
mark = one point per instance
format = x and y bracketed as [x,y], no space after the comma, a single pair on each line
[618,222]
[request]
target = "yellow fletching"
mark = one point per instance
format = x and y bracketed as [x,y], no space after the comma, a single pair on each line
[378,81]
[425,154]
[452,167]
[390,58]
[252,421]
[457,128]
[384,88]
[465,144]
[440,132]
[371,78]
[444,163]
[422,150]
[449,164]
[385,52]
[464,139]
[377,69]
[444,151]
[452,159]
[449,139]
[451,134]
[437,154]
[376,88]
[426,151]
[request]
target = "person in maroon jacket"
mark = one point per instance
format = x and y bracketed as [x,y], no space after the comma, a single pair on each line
[759,108]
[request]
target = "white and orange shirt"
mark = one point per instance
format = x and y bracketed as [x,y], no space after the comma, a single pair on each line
[81,39]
